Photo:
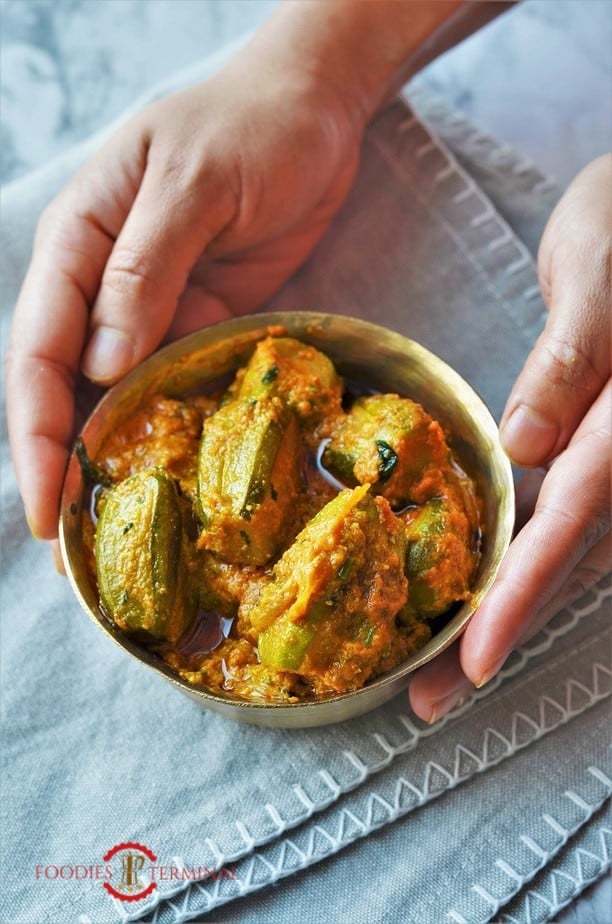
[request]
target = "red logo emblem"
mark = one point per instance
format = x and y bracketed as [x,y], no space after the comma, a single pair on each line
[132,860]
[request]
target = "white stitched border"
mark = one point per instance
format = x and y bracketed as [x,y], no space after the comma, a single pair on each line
[476,138]
[522,262]
[407,125]
[542,856]
[444,173]
[561,887]
[308,847]
[425,149]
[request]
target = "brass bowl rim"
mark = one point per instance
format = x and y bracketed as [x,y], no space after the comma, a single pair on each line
[301,324]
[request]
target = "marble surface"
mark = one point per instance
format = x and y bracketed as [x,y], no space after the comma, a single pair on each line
[539,79]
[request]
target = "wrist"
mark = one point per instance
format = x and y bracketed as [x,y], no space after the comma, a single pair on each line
[362,51]
[356,50]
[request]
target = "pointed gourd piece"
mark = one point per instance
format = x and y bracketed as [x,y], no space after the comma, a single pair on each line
[440,559]
[391,443]
[139,550]
[301,375]
[248,479]
[329,613]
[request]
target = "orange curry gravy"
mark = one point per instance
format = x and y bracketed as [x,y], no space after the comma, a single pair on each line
[337,603]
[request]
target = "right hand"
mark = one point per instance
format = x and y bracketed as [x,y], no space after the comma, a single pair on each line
[199,207]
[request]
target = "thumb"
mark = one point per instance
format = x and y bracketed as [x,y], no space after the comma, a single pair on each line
[178,210]
[571,359]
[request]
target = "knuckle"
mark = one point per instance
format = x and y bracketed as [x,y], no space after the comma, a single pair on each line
[59,227]
[174,171]
[568,366]
[128,274]
[50,217]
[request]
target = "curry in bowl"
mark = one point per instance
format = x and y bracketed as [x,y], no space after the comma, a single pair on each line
[287,538]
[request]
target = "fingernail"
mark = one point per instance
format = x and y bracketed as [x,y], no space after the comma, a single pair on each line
[527,437]
[108,356]
[490,673]
[444,705]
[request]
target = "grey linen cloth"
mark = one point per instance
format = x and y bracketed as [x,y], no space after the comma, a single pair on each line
[498,813]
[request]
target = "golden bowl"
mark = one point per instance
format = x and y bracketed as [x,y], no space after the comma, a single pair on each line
[364,353]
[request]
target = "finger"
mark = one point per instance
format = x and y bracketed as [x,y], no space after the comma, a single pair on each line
[439,686]
[570,518]
[571,359]
[73,240]
[180,207]
[47,337]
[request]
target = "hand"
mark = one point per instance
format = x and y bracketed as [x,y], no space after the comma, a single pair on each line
[201,206]
[557,417]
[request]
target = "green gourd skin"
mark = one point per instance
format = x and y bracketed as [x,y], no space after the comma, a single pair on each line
[439,558]
[140,558]
[303,377]
[388,442]
[248,479]
[327,614]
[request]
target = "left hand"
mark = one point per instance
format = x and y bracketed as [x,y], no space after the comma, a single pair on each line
[557,417]
[197,208]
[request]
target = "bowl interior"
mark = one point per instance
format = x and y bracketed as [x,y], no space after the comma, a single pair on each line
[363,353]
